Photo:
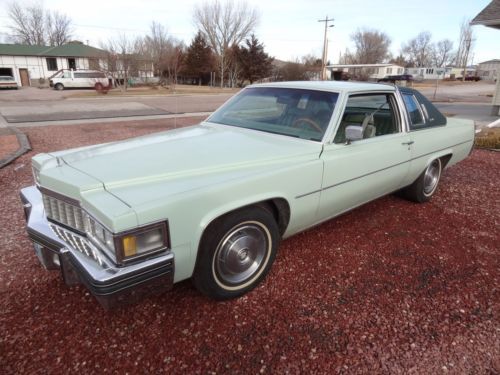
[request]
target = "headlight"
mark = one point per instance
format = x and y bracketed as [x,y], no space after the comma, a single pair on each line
[100,234]
[130,244]
[142,241]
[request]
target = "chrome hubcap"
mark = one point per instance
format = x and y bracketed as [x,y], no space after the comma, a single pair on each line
[431,177]
[240,255]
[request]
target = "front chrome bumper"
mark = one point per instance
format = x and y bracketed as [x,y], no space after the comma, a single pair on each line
[110,284]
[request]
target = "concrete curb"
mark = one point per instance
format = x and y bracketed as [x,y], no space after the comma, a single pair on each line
[24,146]
[494,124]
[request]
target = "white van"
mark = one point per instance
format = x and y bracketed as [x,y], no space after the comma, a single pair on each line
[80,78]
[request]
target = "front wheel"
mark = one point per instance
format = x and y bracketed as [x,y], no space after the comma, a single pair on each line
[236,253]
[426,184]
[59,86]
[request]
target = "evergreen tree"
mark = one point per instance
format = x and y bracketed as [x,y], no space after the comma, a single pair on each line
[199,60]
[254,63]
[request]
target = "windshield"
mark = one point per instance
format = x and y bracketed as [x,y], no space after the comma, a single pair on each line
[293,112]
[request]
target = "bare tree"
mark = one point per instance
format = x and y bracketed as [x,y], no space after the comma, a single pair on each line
[465,46]
[234,65]
[157,44]
[122,59]
[27,24]
[371,47]
[33,25]
[313,66]
[442,53]
[224,25]
[173,60]
[399,60]
[58,28]
[418,51]
[293,71]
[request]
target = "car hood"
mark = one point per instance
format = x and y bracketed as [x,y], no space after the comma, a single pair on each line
[193,154]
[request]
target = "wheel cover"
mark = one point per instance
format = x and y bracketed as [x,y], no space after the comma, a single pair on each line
[431,177]
[242,254]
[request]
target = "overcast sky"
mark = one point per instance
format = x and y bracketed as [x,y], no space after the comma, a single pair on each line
[288,29]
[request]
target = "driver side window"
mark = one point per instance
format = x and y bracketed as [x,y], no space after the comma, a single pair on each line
[375,113]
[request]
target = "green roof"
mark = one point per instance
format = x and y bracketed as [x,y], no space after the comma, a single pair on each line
[66,50]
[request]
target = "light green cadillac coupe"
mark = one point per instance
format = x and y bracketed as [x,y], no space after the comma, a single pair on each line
[211,202]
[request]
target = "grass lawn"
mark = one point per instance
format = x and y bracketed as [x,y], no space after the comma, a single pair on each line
[488,138]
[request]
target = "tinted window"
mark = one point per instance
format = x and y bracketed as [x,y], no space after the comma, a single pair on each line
[432,116]
[413,110]
[292,112]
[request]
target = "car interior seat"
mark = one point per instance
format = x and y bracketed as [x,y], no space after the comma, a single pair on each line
[368,127]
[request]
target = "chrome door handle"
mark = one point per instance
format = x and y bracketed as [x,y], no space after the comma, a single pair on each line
[408,143]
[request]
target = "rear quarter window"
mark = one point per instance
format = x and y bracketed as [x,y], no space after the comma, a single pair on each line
[414,112]
[422,113]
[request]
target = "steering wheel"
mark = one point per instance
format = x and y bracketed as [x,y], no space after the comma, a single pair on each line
[313,124]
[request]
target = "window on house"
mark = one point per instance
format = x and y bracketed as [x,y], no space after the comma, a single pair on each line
[94,64]
[429,71]
[389,70]
[72,64]
[51,64]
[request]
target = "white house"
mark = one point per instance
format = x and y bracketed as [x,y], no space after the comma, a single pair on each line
[372,71]
[429,72]
[29,64]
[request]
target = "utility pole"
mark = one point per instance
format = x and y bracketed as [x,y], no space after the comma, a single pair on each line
[325,47]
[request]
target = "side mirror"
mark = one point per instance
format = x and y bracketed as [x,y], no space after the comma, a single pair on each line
[353,133]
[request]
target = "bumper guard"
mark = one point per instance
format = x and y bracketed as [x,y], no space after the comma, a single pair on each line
[111,285]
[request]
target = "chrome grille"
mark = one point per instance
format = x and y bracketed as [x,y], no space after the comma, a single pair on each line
[64,213]
[79,243]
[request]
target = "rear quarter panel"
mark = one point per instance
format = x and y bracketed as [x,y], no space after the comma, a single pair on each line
[456,138]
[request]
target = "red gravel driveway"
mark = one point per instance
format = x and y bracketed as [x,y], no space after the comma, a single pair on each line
[392,287]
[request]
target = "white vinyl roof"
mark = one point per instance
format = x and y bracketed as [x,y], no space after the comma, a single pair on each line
[336,86]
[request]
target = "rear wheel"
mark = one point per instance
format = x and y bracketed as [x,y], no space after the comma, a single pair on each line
[98,86]
[236,253]
[426,184]
[59,86]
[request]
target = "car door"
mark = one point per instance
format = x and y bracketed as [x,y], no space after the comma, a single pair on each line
[359,171]
[67,78]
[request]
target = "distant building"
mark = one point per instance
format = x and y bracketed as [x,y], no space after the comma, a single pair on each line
[489,70]
[370,71]
[490,17]
[29,64]
[429,72]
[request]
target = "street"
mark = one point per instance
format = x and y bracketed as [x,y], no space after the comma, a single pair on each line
[49,108]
